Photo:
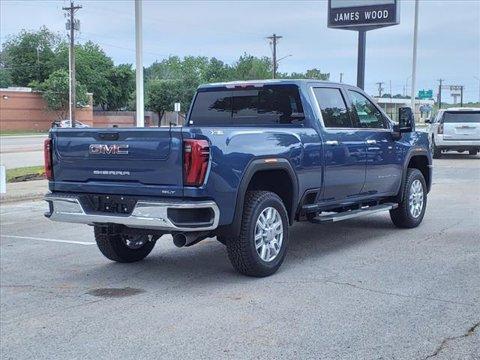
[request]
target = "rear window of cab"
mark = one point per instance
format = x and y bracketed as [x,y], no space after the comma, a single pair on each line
[266,105]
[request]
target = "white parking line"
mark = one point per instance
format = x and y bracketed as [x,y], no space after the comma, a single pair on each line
[48,240]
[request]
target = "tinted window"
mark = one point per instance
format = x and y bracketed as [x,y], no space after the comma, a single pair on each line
[462,117]
[212,106]
[268,105]
[333,107]
[368,114]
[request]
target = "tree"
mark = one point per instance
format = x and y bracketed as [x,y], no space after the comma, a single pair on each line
[216,71]
[162,95]
[121,88]
[29,56]
[5,78]
[249,67]
[93,68]
[315,74]
[55,91]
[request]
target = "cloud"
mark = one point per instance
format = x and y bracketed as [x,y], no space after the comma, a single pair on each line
[449,33]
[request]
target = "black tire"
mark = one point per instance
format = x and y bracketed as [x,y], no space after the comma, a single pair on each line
[222,239]
[241,251]
[402,216]
[472,152]
[113,245]
[437,153]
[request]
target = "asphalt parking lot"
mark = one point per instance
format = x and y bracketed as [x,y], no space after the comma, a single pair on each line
[359,289]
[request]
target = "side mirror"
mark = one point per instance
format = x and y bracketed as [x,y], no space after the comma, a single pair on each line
[406,121]
[428,121]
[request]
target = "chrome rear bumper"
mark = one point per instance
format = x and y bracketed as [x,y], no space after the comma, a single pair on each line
[146,214]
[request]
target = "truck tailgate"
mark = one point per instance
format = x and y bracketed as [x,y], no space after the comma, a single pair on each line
[133,156]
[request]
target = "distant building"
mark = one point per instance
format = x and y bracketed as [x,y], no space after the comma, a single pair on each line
[423,108]
[22,109]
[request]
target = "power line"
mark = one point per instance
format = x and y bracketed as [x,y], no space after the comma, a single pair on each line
[273,41]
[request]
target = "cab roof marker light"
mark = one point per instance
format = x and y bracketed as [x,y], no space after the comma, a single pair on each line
[244,85]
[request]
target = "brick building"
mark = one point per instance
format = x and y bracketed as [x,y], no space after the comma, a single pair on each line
[22,109]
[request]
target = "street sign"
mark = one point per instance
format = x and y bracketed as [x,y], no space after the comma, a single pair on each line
[425,94]
[177,107]
[363,14]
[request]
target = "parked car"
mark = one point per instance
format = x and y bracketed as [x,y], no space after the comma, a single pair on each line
[253,158]
[456,129]
[68,124]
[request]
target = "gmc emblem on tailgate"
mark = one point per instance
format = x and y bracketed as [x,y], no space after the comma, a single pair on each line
[113,149]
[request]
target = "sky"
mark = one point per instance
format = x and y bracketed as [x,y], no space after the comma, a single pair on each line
[448,42]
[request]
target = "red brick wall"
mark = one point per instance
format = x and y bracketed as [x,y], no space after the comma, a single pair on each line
[27,111]
[110,120]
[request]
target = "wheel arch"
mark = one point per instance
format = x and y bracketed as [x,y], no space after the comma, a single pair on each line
[418,159]
[258,176]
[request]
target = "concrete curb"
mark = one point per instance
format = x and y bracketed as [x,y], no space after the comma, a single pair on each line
[25,191]
[13,199]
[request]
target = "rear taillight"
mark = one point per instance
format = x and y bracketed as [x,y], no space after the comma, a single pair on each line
[47,153]
[195,161]
[440,128]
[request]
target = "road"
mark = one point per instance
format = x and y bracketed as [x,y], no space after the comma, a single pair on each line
[359,289]
[20,151]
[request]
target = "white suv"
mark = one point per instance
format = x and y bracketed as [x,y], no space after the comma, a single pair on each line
[455,129]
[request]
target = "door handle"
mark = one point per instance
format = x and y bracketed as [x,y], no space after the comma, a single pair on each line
[371,142]
[331,142]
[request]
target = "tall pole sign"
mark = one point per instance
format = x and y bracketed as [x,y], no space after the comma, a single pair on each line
[361,16]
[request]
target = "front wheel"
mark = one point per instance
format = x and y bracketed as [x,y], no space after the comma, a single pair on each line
[121,247]
[261,247]
[411,209]
[472,152]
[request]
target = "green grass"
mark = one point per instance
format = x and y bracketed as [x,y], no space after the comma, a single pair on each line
[25,173]
[22,133]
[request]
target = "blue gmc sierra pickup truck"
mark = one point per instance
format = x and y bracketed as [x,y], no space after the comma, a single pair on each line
[252,158]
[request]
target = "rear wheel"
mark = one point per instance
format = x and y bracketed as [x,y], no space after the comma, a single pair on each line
[437,153]
[473,152]
[121,247]
[261,247]
[411,210]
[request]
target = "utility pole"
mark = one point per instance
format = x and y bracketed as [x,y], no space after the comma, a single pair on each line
[380,88]
[478,79]
[273,41]
[461,96]
[72,26]
[440,92]
[38,63]
[341,77]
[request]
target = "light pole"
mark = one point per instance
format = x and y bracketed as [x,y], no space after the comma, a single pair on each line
[414,59]
[139,65]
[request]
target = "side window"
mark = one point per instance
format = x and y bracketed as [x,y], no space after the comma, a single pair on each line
[368,115]
[334,110]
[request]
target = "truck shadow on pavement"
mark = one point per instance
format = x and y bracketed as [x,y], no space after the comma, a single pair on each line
[208,262]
